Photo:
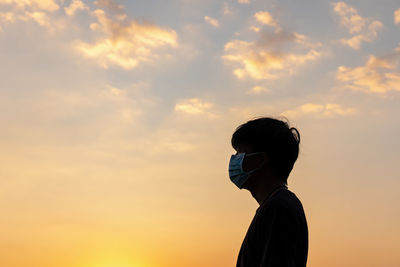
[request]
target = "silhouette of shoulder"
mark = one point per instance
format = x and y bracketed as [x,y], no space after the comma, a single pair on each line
[283,200]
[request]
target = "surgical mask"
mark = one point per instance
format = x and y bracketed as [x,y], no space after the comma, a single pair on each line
[236,173]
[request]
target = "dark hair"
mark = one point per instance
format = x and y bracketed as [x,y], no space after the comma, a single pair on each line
[274,137]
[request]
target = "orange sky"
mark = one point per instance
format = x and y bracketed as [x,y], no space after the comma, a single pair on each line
[117,117]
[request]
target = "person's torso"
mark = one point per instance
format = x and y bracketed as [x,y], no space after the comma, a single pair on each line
[281,213]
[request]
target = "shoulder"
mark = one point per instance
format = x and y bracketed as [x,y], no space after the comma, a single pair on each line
[283,203]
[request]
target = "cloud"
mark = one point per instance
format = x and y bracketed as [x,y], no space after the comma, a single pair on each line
[74,6]
[258,90]
[211,21]
[126,42]
[263,60]
[195,106]
[305,41]
[41,18]
[364,30]
[244,1]
[349,17]
[279,39]
[38,11]
[369,36]
[319,110]
[227,10]
[254,29]
[265,18]
[374,77]
[47,5]
[397,16]
[273,54]
[8,17]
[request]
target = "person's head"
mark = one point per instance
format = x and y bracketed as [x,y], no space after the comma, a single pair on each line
[278,143]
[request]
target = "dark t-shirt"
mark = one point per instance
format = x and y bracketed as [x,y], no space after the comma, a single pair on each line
[278,234]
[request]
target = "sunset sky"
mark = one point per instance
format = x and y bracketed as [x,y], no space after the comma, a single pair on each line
[116,118]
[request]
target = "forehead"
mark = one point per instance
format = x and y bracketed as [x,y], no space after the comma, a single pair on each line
[244,148]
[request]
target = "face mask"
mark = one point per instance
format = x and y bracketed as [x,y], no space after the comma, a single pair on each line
[236,173]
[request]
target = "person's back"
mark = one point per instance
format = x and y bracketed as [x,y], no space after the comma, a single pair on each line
[266,150]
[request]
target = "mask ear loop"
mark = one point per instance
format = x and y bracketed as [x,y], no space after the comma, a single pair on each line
[261,165]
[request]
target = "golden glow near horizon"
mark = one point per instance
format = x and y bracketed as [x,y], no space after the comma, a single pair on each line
[116,119]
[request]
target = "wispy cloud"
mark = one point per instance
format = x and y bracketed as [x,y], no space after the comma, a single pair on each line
[254,28]
[74,6]
[265,18]
[195,106]
[30,10]
[244,1]
[41,18]
[273,55]
[264,59]
[47,5]
[256,90]
[319,110]
[6,17]
[119,40]
[127,42]
[374,77]
[364,30]
[349,17]
[211,21]
[397,16]
[369,35]
[227,9]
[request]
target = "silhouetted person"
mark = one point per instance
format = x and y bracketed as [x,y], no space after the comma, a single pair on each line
[266,152]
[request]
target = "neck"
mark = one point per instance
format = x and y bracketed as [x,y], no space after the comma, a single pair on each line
[262,191]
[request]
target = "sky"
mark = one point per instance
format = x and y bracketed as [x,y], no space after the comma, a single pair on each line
[116,119]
